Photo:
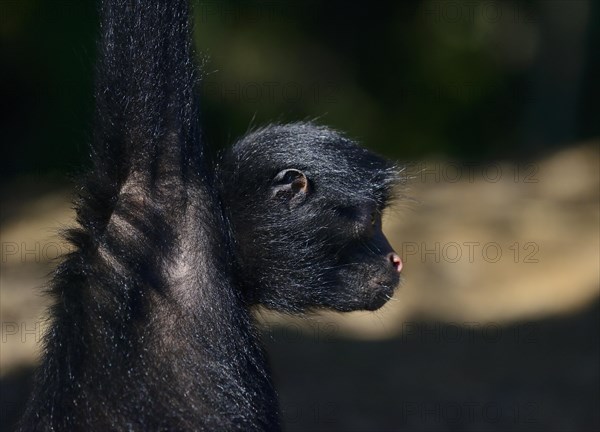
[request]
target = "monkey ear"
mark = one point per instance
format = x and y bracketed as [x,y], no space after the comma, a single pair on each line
[291,184]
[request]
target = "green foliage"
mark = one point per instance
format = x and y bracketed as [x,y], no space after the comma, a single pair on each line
[408,79]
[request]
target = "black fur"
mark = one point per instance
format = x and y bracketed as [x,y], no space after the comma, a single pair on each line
[323,251]
[152,327]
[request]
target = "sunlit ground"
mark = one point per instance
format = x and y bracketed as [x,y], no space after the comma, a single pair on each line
[495,326]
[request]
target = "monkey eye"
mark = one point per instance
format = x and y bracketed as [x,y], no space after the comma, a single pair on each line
[373,218]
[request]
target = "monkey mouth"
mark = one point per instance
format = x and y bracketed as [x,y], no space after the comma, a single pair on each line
[380,293]
[387,283]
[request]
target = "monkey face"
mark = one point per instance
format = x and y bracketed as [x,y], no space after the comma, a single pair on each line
[365,267]
[305,208]
[309,253]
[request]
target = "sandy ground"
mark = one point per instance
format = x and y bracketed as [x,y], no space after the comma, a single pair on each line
[495,326]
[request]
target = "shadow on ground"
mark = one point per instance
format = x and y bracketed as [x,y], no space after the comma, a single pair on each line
[533,376]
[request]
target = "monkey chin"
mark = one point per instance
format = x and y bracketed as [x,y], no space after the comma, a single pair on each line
[380,294]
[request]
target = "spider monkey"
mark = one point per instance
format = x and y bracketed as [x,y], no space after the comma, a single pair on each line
[151,325]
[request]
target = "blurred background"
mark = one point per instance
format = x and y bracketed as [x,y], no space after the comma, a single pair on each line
[492,107]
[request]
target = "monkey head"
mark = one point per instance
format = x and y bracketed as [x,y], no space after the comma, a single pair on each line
[305,206]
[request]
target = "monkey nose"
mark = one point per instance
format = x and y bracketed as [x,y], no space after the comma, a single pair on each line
[396,261]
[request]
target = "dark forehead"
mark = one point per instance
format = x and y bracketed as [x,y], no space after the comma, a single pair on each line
[308,147]
[336,165]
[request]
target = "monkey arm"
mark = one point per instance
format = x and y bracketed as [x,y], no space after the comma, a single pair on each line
[147,114]
[141,200]
[148,330]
